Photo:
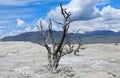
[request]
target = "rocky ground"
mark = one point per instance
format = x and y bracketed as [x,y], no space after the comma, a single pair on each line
[29,60]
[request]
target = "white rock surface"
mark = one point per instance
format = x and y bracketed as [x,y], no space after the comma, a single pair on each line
[28,60]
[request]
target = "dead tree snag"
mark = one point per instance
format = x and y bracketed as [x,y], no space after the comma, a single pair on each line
[61,47]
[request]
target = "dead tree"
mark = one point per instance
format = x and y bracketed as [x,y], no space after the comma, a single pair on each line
[59,48]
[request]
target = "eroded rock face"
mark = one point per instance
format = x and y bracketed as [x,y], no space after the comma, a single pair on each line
[29,60]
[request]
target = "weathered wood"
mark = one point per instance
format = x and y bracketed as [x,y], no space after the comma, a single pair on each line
[62,47]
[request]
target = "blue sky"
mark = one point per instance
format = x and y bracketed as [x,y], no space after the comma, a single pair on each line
[19,16]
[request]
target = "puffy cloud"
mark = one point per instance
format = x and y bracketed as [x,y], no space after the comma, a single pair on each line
[109,20]
[20,22]
[88,17]
[110,13]
[28,29]
[82,13]
[45,24]
[35,29]
[81,10]
[12,33]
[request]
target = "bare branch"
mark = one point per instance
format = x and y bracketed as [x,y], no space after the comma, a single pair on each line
[77,49]
[45,39]
[52,35]
[41,30]
[65,27]
[39,43]
[71,38]
[61,47]
[57,22]
[68,49]
[62,11]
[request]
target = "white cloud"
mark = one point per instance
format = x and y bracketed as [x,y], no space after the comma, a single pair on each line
[81,10]
[89,17]
[110,13]
[25,2]
[20,22]
[45,24]
[4,27]
[108,21]
[14,32]
[8,17]
[1,33]
[35,29]
[4,21]
[28,29]
[13,16]
[17,2]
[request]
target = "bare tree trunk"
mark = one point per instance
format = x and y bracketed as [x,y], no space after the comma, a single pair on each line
[53,63]
[49,61]
[60,48]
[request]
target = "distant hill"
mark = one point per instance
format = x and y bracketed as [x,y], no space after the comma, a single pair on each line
[89,37]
